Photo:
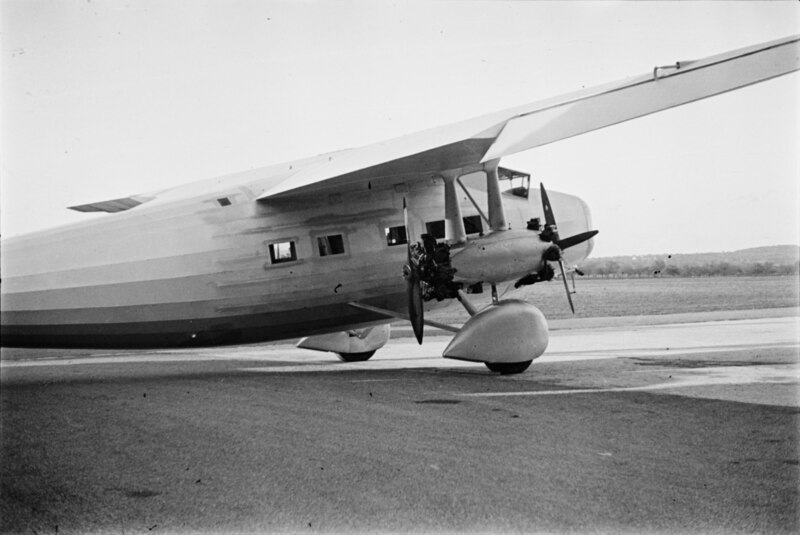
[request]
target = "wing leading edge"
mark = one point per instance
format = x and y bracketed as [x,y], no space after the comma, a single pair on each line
[468,145]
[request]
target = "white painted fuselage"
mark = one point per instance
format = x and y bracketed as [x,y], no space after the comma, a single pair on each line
[195,266]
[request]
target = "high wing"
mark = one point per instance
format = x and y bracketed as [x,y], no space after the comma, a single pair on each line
[470,144]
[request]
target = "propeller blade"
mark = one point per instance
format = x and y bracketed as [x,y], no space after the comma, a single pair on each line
[416,313]
[549,217]
[572,241]
[566,284]
[405,226]
[550,232]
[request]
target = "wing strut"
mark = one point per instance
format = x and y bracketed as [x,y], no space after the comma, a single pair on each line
[472,200]
[454,231]
[497,215]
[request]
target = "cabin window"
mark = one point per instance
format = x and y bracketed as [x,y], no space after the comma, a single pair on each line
[224,201]
[282,252]
[472,225]
[396,235]
[330,245]
[435,229]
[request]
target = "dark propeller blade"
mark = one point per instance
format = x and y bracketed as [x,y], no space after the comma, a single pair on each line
[549,217]
[416,313]
[550,232]
[572,241]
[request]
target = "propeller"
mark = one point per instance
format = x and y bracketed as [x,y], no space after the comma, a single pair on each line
[566,243]
[550,233]
[416,313]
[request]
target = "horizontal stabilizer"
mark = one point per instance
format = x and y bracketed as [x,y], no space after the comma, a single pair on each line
[113,206]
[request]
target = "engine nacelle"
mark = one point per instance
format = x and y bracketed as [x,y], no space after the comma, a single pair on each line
[509,331]
[500,256]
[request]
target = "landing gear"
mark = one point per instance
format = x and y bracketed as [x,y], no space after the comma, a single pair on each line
[502,335]
[358,357]
[508,368]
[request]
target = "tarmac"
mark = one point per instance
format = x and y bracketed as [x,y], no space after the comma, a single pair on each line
[650,427]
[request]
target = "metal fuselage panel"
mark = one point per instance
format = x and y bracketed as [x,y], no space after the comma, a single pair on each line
[194,271]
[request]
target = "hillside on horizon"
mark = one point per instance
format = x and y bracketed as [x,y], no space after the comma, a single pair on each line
[767,260]
[778,254]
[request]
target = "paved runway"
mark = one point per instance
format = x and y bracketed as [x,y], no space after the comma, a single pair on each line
[661,428]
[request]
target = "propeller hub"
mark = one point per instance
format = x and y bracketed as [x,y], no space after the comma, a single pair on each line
[552,253]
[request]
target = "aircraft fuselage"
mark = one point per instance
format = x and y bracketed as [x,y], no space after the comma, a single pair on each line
[207,264]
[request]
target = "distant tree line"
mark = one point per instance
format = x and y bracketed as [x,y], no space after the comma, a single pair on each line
[619,268]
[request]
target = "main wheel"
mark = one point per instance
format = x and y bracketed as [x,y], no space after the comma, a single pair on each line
[357,357]
[508,368]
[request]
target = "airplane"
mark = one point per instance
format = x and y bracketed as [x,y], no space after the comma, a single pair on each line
[335,247]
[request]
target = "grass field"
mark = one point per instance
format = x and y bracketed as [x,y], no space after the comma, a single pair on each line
[656,296]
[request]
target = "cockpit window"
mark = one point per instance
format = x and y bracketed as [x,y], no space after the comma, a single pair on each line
[518,183]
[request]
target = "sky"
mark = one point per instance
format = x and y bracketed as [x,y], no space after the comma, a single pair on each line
[103,99]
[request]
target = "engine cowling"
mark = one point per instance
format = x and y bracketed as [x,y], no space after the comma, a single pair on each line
[500,257]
